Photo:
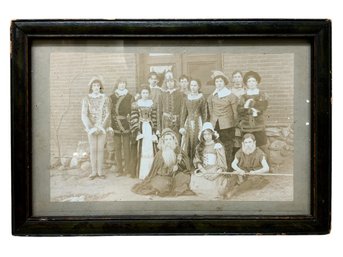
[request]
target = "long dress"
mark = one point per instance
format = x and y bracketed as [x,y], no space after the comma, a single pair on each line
[210,184]
[143,121]
[163,181]
[192,117]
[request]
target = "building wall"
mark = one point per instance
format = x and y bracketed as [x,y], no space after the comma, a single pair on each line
[277,73]
[70,74]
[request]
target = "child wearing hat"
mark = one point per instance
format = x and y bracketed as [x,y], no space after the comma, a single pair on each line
[209,162]
[222,106]
[95,117]
[251,109]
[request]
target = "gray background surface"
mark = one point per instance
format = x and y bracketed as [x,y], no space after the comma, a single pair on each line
[41,140]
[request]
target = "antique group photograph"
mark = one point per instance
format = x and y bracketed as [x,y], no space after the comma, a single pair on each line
[171,125]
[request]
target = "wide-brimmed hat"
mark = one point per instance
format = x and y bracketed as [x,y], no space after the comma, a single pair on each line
[220,74]
[251,74]
[209,126]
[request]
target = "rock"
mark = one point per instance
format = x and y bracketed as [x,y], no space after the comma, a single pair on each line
[273,132]
[276,157]
[277,145]
[285,132]
[74,163]
[290,141]
[65,161]
[62,168]
[285,151]
[86,166]
[55,163]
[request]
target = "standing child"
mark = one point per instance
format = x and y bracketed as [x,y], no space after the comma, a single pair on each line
[172,104]
[95,117]
[156,95]
[222,105]
[237,84]
[120,116]
[184,84]
[209,162]
[251,108]
[193,115]
[238,89]
[143,129]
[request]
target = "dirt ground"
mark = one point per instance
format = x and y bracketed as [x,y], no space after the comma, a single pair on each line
[73,185]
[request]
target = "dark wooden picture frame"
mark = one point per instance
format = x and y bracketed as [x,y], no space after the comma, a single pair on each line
[316,32]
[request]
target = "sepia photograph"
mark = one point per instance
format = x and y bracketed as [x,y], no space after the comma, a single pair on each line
[169,128]
[171,123]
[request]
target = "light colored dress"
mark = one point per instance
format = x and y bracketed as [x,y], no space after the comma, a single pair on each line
[144,122]
[210,184]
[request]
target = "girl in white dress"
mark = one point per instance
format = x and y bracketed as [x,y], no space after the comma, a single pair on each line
[143,129]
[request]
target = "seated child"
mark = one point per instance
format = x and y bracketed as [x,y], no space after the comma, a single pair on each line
[248,160]
[209,162]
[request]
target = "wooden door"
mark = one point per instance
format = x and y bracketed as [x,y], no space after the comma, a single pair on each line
[200,66]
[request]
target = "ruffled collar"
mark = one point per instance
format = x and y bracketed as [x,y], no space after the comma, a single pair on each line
[170,91]
[222,92]
[151,86]
[92,95]
[145,103]
[121,92]
[209,143]
[194,97]
[255,91]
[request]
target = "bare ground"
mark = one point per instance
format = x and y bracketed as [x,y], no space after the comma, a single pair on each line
[74,186]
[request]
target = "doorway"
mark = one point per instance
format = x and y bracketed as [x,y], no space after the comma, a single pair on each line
[193,65]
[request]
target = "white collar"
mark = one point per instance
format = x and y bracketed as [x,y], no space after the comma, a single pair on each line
[144,103]
[209,143]
[255,91]
[192,97]
[121,92]
[170,91]
[92,95]
[223,92]
[151,86]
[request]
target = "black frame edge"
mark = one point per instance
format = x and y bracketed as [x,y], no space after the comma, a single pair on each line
[23,31]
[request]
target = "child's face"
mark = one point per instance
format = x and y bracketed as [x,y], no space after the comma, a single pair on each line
[153,80]
[170,84]
[207,134]
[219,83]
[145,94]
[95,87]
[194,86]
[237,78]
[184,83]
[168,140]
[248,142]
[122,85]
[252,83]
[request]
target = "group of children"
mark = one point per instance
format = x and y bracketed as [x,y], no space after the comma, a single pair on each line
[222,133]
